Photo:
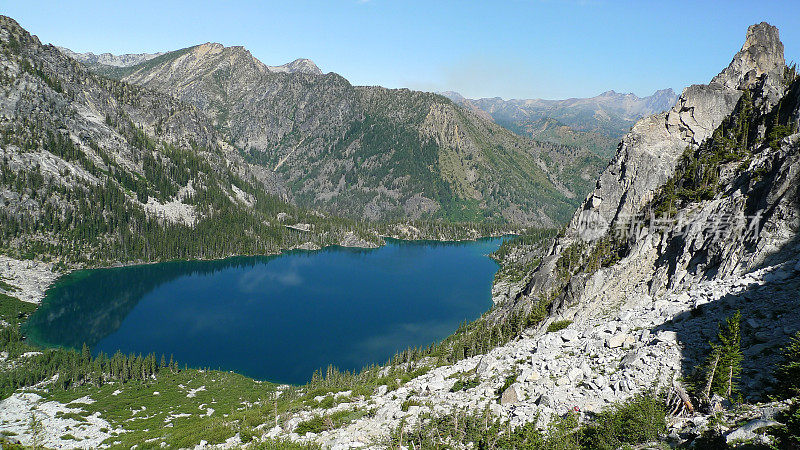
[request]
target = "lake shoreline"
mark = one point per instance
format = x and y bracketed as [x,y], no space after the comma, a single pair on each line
[404,294]
[34,277]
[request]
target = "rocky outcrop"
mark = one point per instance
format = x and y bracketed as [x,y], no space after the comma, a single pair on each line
[648,157]
[649,153]
[761,54]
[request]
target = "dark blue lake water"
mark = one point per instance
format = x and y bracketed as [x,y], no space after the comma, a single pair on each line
[274,318]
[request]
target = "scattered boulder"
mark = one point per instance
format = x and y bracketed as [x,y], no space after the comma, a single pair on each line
[747,432]
[574,374]
[544,400]
[667,336]
[511,395]
[616,340]
[569,335]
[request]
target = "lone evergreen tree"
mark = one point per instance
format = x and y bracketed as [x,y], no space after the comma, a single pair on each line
[724,365]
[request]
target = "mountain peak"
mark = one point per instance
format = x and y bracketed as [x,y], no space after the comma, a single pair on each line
[761,53]
[300,65]
[452,95]
[663,92]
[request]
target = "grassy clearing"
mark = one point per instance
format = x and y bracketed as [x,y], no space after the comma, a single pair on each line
[7,287]
[178,409]
[14,310]
[182,408]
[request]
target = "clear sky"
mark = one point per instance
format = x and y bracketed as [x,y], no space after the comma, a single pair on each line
[503,48]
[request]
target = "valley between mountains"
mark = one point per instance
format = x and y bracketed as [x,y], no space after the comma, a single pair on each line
[646,302]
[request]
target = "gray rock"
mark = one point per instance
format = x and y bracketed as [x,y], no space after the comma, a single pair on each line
[511,395]
[574,374]
[763,336]
[667,336]
[776,275]
[616,340]
[569,335]
[544,400]
[631,360]
[747,431]
[483,365]
[587,371]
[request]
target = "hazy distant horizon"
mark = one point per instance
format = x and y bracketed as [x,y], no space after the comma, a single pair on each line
[513,50]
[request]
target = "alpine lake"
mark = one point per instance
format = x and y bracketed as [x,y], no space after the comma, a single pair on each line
[276,318]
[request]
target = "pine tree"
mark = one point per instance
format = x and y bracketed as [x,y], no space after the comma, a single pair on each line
[724,364]
[86,354]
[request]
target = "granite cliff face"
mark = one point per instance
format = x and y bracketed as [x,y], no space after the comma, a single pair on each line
[737,132]
[370,152]
[761,54]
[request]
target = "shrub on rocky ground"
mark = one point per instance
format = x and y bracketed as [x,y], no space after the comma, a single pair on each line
[788,373]
[788,377]
[636,421]
[790,438]
[483,430]
[463,385]
[641,419]
[558,325]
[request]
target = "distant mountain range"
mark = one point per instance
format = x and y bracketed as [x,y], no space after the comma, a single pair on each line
[597,122]
[107,59]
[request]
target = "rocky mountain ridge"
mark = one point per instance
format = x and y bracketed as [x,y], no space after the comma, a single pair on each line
[95,169]
[108,59]
[300,65]
[662,145]
[98,62]
[370,152]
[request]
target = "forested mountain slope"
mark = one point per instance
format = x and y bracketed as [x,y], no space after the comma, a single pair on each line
[98,169]
[370,152]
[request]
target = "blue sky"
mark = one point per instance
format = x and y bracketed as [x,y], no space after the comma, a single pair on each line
[510,49]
